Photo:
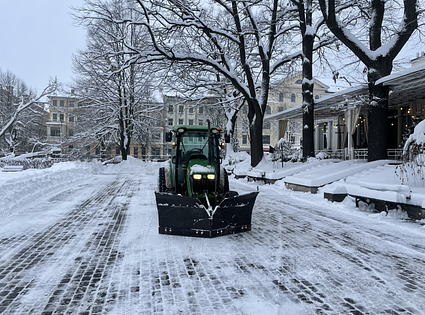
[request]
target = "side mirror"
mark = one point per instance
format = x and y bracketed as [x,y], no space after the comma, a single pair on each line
[168,136]
[227,138]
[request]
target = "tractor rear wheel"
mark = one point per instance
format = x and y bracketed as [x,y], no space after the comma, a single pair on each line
[161,180]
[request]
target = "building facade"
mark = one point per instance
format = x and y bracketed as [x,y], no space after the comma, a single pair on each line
[285,95]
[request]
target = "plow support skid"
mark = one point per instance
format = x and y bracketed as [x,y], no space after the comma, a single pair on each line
[187,216]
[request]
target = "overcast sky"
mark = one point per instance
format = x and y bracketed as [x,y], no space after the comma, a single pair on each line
[38,38]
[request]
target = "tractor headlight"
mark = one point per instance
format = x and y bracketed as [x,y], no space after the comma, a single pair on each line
[197,176]
[211,176]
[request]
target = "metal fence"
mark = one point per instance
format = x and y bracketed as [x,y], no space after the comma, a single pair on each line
[358,154]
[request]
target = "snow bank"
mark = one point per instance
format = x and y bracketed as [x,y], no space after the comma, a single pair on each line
[18,190]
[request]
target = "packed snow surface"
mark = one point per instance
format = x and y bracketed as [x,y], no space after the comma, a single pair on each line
[82,238]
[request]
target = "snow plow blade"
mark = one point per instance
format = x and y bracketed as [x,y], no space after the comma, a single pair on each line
[181,215]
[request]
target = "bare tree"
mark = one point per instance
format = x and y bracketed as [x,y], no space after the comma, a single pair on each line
[21,111]
[116,93]
[376,38]
[242,41]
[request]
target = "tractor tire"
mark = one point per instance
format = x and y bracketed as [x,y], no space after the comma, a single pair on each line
[224,189]
[226,183]
[161,180]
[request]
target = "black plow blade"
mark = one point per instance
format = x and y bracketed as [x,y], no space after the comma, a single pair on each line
[181,215]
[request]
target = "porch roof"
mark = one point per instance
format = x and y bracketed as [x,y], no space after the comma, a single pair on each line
[328,106]
[406,85]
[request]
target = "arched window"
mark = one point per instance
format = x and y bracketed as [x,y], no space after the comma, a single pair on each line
[316,97]
[280,97]
[293,98]
[299,81]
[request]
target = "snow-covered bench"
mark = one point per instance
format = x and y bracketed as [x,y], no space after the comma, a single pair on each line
[384,196]
[13,168]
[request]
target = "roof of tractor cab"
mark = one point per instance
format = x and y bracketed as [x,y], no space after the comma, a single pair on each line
[194,128]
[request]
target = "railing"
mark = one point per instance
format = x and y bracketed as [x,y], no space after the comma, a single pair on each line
[358,154]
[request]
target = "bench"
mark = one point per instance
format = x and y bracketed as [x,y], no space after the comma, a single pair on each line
[13,168]
[385,197]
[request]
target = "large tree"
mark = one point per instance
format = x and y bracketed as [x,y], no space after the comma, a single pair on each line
[242,41]
[309,25]
[376,44]
[116,94]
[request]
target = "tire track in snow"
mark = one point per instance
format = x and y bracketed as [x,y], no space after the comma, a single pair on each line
[18,274]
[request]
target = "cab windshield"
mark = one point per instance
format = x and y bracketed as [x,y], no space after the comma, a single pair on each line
[194,144]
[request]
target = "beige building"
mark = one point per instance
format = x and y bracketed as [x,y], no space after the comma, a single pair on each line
[62,119]
[283,96]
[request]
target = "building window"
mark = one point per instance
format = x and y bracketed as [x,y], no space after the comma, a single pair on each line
[266,125]
[117,150]
[280,97]
[55,117]
[55,131]
[170,109]
[62,117]
[280,108]
[97,150]
[200,122]
[268,110]
[180,121]
[191,110]
[71,119]
[181,109]
[136,151]
[190,122]
[71,103]
[170,121]
[266,139]
[244,139]
[55,103]
[201,110]
[79,104]
[62,103]
[316,97]
[299,81]
[293,98]
[71,132]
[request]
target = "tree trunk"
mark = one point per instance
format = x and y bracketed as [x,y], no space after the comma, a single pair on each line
[256,135]
[308,83]
[378,110]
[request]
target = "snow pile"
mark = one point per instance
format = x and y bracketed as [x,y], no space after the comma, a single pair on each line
[199,169]
[17,190]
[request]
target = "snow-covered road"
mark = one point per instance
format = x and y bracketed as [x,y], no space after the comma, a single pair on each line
[84,240]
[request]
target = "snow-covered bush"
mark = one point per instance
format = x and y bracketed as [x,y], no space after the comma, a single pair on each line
[282,151]
[322,156]
[413,167]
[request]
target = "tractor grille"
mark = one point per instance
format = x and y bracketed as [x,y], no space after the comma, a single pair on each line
[199,186]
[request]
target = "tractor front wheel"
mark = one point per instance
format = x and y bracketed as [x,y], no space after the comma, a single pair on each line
[162,187]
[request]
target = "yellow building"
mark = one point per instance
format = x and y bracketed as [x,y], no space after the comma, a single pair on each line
[283,96]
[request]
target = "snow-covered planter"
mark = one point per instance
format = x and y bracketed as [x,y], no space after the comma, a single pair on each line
[413,167]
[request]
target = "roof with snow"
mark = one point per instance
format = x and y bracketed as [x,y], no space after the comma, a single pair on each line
[332,104]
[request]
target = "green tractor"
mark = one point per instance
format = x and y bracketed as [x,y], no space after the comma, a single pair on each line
[193,196]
